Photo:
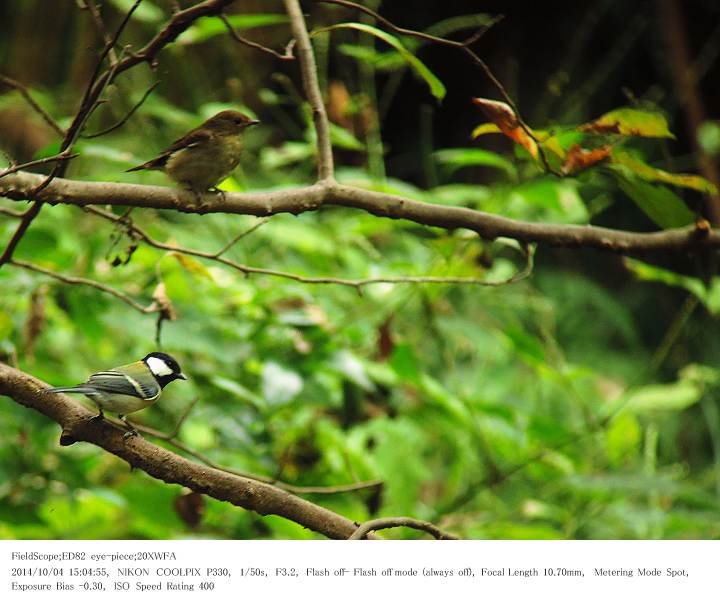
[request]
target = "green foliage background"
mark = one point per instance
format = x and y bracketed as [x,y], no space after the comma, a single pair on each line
[579,403]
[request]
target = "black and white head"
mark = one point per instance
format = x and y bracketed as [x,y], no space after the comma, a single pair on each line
[230,122]
[164,368]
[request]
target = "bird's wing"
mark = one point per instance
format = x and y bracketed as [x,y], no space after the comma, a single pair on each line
[191,139]
[134,379]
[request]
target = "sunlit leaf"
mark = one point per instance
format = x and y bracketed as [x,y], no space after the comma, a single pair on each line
[209,27]
[460,158]
[664,397]
[628,121]
[647,172]
[146,11]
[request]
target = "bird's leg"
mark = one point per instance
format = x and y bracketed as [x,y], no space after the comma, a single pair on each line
[219,192]
[99,416]
[131,429]
[199,206]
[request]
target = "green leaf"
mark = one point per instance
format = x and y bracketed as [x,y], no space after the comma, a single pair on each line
[238,390]
[660,204]
[279,385]
[647,172]
[486,128]
[628,121]
[343,138]
[460,158]
[709,296]
[437,88]
[209,27]
[709,137]
[381,61]
[664,397]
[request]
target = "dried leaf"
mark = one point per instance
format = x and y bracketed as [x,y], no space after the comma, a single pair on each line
[193,266]
[190,507]
[385,340]
[502,115]
[35,320]
[162,303]
[579,159]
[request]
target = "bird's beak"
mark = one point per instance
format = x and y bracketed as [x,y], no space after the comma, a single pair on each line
[253,122]
[181,376]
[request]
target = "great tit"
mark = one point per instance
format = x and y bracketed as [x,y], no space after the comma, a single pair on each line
[129,388]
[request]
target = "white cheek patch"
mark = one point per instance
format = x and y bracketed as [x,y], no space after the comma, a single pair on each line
[158,366]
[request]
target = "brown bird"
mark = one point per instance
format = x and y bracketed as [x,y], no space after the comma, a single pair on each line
[206,155]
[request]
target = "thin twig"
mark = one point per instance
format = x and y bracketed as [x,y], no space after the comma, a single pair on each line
[22,89]
[240,236]
[11,213]
[286,56]
[383,523]
[308,68]
[129,114]
[65,155]
[525,272]
[83,281]
[100,27]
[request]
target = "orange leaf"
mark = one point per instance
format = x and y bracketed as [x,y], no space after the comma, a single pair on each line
[504,117]
[578,159]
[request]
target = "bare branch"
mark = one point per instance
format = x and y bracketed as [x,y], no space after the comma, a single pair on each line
[383,523]
[311,85]
[90,6]
[303,199]
[22,89]
[672,21]
[286,56]
[164,465]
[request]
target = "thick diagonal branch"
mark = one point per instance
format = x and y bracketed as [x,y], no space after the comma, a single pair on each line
[160,463]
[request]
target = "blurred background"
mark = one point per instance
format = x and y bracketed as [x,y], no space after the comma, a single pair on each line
[579,403]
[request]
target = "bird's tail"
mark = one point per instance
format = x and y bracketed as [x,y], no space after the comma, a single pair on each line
[157,163]
[75,389]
